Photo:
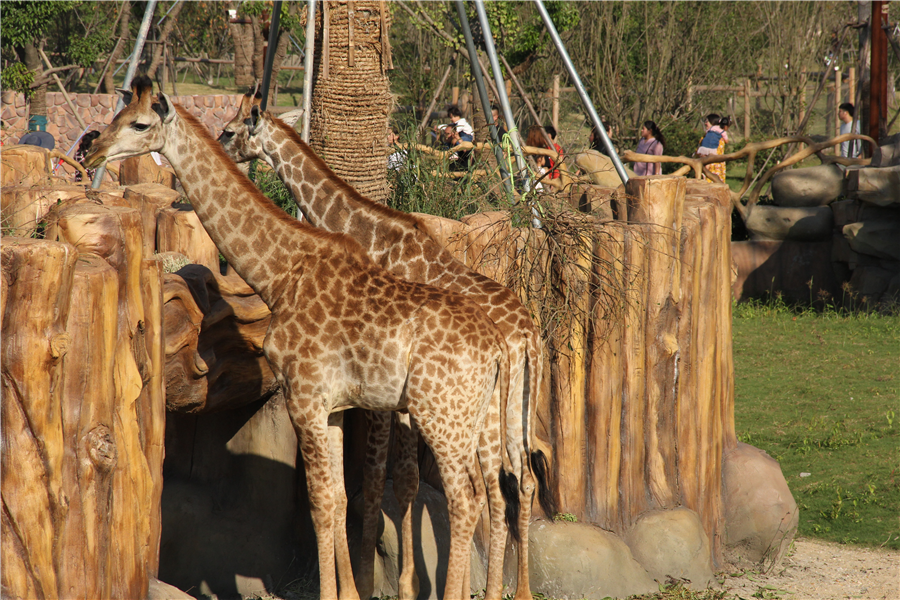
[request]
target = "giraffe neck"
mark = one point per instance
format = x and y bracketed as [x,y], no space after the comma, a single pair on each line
[333,205]
[255,236]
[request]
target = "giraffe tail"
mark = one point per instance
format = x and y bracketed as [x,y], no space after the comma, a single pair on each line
[537,460]
[509,483]
[509,487]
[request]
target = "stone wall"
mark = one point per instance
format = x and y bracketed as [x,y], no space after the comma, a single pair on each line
[96,110]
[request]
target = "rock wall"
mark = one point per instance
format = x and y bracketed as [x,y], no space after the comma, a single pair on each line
[96,110]
[833,235]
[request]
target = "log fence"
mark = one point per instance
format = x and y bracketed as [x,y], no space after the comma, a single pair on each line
[636,411]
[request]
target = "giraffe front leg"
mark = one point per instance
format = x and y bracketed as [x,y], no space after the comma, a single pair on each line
[374,472]
[312,435]
[347,586]
[406,486]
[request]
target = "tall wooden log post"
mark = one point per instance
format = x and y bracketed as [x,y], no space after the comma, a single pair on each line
[87,378]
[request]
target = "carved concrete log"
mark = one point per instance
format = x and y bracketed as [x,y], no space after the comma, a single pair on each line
[810,224]
[488,245]
[178,229]
[660,202]
[143,169]
[38,278]
[149,199]
[115,234]
[186,371]
[234,325]
[452,235]
[25,209]
[600,168]
[24,165]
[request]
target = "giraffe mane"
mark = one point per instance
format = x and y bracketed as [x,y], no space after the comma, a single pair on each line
[334,239]
[384,211]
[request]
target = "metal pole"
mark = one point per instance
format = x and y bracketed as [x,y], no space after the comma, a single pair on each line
[308,67]
[132,67]
[482,94]
[270,53]
[501,87]
[585,99]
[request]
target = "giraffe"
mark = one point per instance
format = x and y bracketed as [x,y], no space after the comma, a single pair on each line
[344,333]
[399,243]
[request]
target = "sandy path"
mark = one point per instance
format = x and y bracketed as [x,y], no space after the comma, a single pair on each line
[821,570]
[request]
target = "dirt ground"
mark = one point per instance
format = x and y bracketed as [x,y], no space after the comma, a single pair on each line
[816,570]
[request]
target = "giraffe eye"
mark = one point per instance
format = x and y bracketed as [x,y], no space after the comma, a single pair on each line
[140,126]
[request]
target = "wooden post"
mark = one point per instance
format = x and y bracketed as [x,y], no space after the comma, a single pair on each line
[554,115]
[837,101]
[164,81]
[690,96]
[851,85]
[454,95]
[747,109]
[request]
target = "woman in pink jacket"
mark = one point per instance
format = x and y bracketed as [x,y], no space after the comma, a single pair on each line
[652,142]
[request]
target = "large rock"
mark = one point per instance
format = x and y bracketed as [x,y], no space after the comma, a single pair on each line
[876,238]
[853,211]
[431,538]
[811,186]
[809,224]
[888,154]
[879,186]
[575,560]
[600,168]
[672,543]
[761,516]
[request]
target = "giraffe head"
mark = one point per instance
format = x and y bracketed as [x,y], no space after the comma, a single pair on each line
[137,129]
[241,139]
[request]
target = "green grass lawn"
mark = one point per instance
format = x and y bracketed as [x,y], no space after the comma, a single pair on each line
[821,394]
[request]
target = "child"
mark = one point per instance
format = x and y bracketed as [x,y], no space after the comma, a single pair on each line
[714,134]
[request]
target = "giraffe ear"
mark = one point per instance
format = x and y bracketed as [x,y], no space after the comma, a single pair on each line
[291,117]
[253,120]
[127,95]
[165,109]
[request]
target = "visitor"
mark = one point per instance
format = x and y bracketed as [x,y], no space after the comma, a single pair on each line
[595,140]
[397,159]
[452,137]
[713,142]
[652,142]
[535,139]
[501,126]
[850,148]
[551,133]
[466,133]
[83,146]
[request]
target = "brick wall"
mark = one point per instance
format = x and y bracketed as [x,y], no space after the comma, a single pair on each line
[96,110]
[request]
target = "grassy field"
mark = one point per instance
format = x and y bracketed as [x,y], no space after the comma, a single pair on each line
[821,394]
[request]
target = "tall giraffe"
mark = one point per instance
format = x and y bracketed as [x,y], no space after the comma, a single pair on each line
[398,242]
[344,333]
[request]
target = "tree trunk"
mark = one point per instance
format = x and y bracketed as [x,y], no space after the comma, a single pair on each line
[242,34]
[157,61]
[109,84]
[38,101]
[259,49]
[351,98]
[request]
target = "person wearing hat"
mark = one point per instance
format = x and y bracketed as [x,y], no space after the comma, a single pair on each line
[38,138]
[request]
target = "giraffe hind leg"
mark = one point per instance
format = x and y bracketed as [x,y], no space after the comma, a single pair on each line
[406,486]
[374,473]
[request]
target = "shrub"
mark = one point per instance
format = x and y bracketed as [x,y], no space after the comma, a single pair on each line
[682,139]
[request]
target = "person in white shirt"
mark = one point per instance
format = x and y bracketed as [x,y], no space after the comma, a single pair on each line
[850,148]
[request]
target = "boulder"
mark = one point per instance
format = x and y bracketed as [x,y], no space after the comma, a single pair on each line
[802,224]
[672,543]
[431,538]
[853,211]
[870,282]
[600,168]
[879,238]
[879,186]
[761,516]
[163,591]
[888,154]
[811,186]
[576,560]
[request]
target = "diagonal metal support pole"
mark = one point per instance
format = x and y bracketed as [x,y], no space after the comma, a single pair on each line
[582,93]
[308,67]
[270,53]
[483,96]
[129,74]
